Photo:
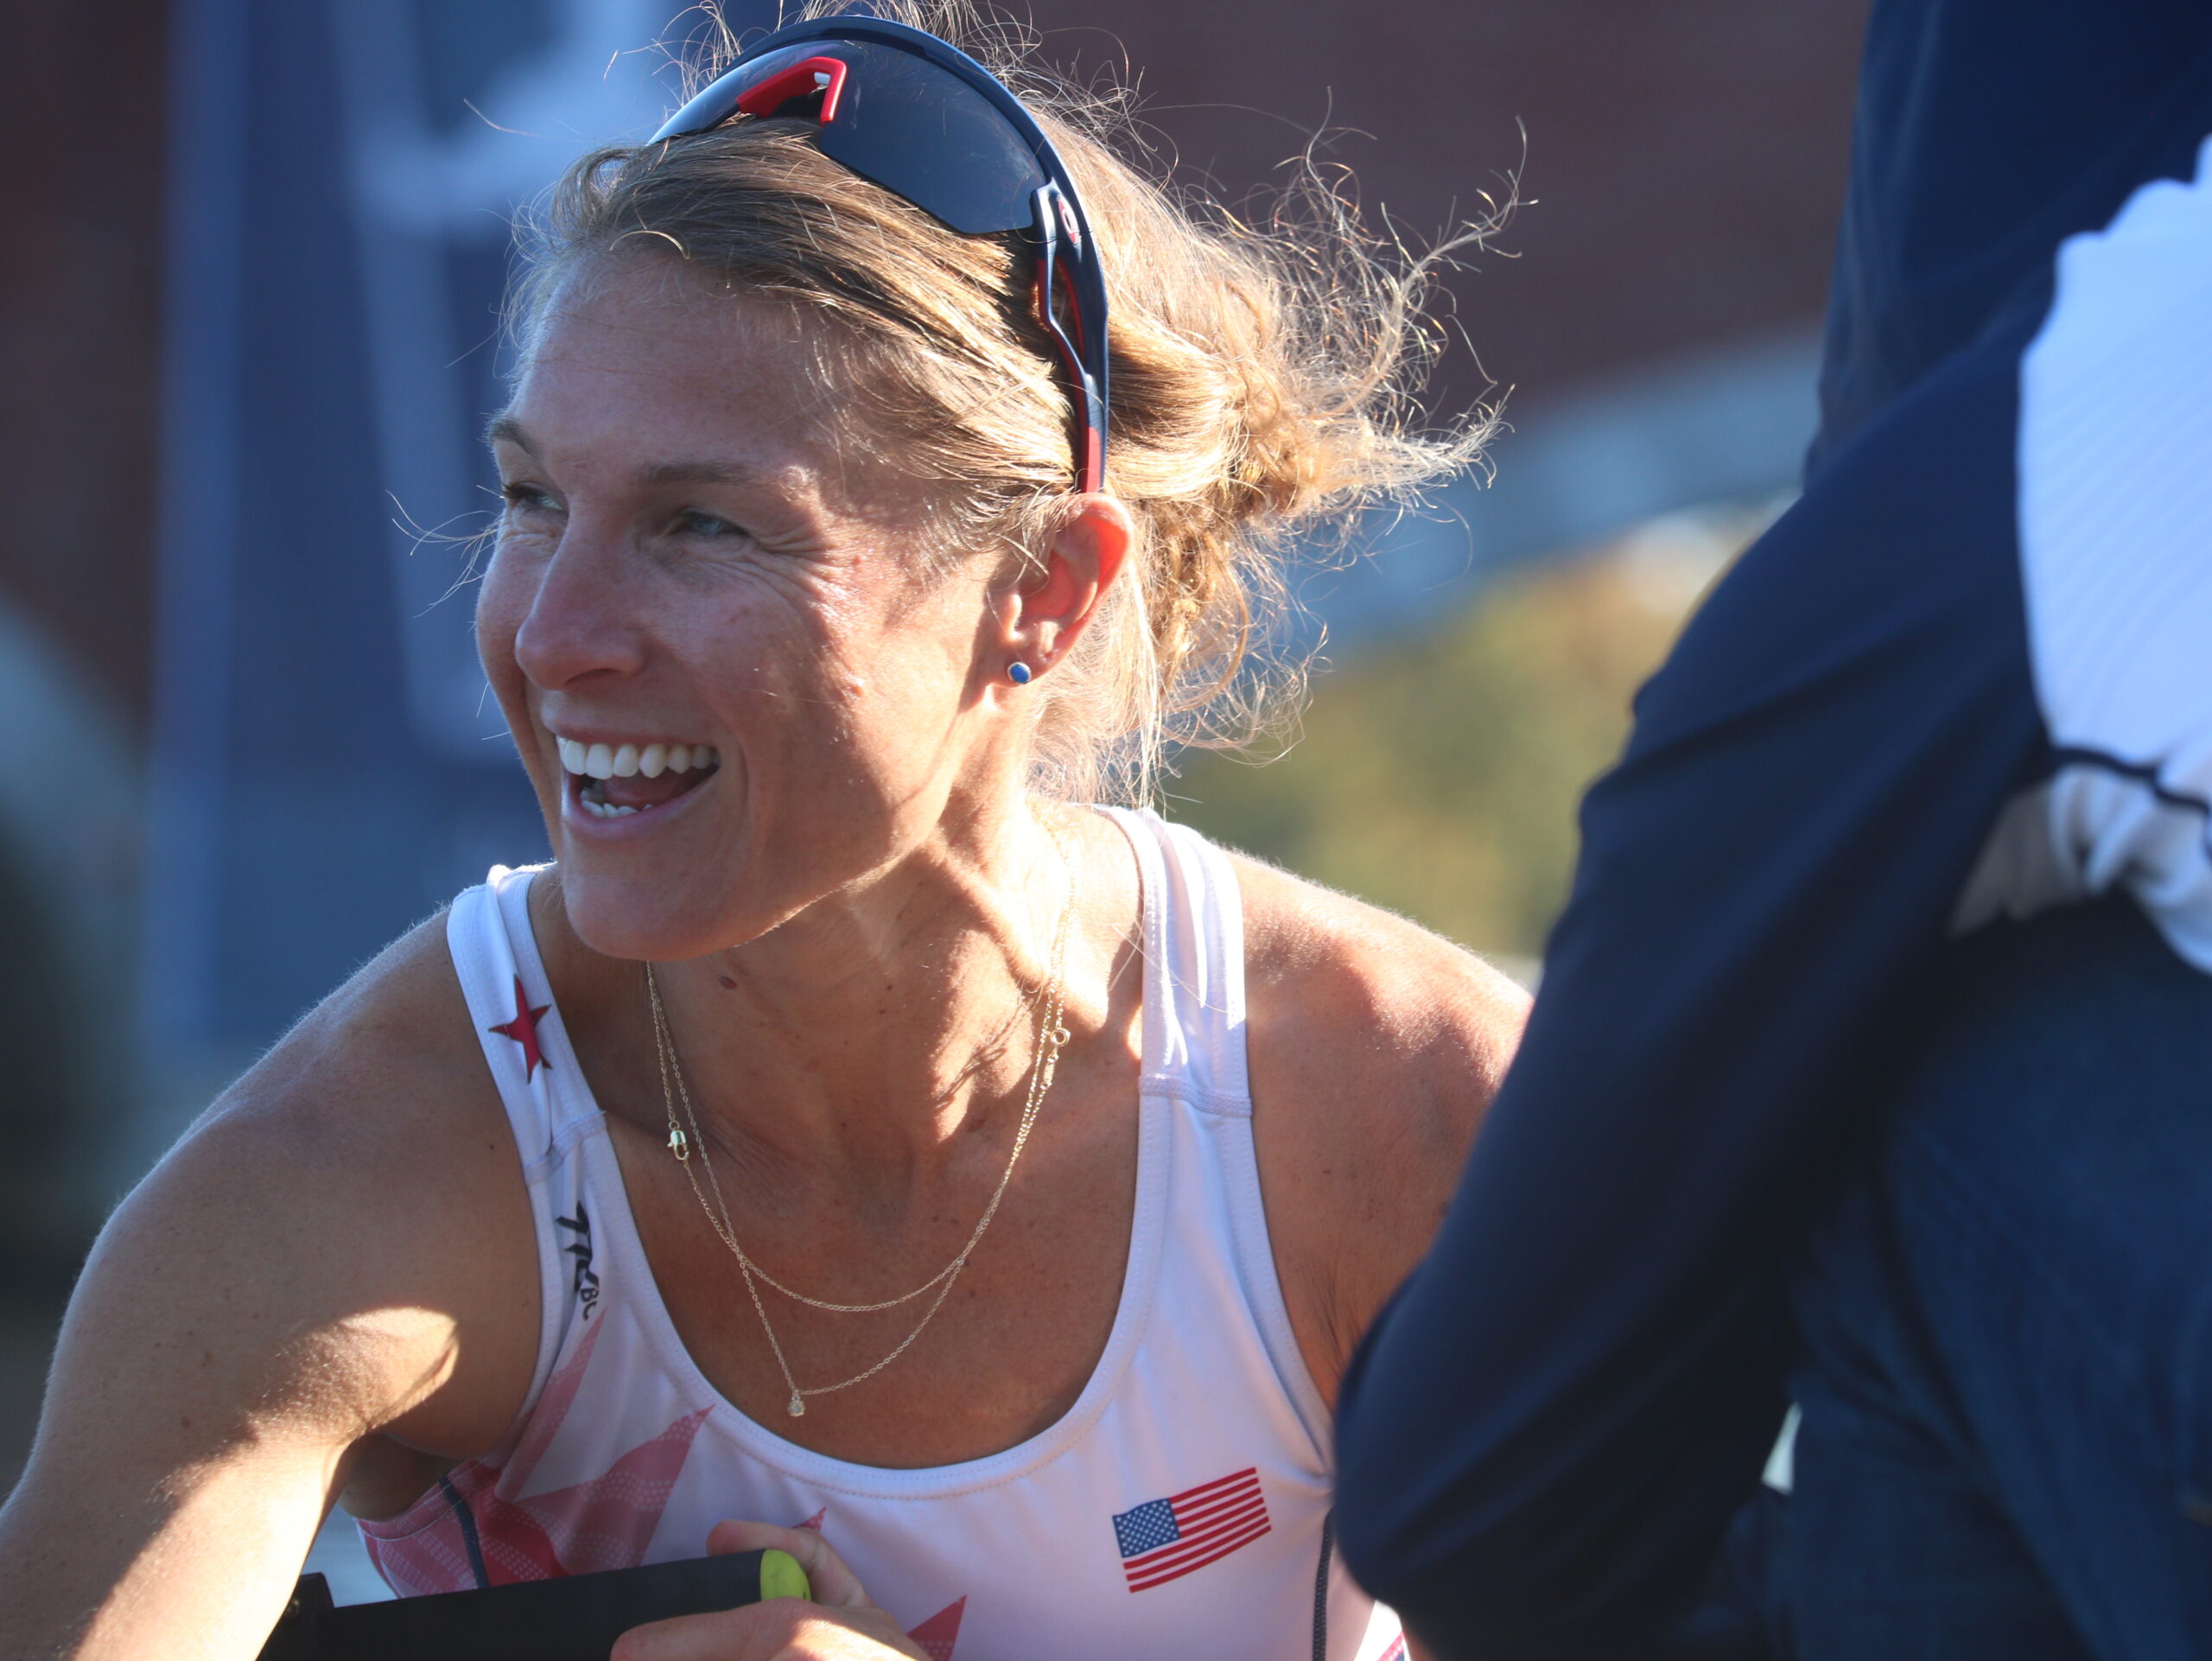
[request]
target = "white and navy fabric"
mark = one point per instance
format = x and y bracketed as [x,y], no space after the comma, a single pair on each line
[1989,132]
[1179,1508]
[1967,677]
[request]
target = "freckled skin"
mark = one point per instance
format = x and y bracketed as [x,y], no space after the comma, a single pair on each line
[845,919]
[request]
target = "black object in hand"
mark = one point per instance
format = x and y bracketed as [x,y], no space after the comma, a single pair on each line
[575,1618]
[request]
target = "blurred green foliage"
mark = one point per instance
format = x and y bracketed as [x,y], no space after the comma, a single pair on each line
[1439,776]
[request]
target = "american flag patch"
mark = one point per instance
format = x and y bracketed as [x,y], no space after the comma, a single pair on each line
[1164,1539]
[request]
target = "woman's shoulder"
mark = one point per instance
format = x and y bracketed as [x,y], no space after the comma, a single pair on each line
[1376,1048]
[390,1056]
[1373,995]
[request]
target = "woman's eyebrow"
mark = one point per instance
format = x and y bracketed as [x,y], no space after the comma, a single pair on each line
[505,430]
[699,473]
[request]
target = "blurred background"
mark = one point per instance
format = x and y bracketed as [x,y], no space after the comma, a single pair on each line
[253,253]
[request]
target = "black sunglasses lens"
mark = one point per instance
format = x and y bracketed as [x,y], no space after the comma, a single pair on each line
[924,134]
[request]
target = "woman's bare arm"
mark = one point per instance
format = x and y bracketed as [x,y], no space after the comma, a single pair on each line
[294,1277]
[1376,1048]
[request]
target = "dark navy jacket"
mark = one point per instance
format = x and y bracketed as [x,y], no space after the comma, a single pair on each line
[1968,674]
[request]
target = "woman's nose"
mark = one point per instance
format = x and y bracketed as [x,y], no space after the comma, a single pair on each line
[579,623]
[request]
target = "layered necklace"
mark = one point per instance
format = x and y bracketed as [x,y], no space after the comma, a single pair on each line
[1049,1007]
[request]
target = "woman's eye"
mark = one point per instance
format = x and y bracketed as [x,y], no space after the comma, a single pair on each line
[525,499]
[691,522]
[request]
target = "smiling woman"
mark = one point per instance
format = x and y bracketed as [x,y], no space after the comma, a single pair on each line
[859,1139]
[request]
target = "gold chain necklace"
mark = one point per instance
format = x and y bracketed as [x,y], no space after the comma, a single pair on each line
[1051,1036]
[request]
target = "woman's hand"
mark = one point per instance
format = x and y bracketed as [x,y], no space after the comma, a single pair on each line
[840,1624]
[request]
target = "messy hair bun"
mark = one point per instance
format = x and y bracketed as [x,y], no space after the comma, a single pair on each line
[1262,376]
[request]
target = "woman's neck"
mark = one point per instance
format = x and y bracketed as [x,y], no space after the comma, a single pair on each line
[863,1034]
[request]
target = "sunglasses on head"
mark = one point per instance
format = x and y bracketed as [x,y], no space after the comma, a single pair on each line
[919,117]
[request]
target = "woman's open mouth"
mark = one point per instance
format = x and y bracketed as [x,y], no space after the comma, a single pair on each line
[618,780]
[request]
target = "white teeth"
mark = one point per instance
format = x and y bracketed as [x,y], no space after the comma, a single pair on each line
[623,761]
[605,809]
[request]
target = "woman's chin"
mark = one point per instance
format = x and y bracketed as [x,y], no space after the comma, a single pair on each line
[667,917]
[629,914]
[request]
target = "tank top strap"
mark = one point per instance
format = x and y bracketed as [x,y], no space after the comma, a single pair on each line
[510,1004]
[1193,927]
[549,1102]
[1194,1054]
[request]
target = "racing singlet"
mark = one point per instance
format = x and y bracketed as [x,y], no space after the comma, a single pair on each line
[1178,1509]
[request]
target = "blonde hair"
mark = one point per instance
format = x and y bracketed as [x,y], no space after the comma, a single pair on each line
[1263,380]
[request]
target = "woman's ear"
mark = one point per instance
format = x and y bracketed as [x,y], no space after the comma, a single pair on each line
[1048,607]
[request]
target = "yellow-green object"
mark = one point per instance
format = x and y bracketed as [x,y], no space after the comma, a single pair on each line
[782,1577]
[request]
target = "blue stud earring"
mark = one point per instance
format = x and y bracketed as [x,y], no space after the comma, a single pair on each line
[1019,672]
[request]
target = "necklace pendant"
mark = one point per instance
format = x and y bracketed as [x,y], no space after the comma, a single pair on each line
[678,1143]
[796,1408]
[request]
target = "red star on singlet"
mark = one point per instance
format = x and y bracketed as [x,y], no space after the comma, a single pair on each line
[523,1030]
[940,1632]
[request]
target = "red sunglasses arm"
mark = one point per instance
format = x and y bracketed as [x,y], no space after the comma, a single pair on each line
[824,75]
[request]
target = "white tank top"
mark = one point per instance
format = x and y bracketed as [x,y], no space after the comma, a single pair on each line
[1178,1510]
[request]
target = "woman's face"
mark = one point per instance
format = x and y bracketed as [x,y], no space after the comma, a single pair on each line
[686,573]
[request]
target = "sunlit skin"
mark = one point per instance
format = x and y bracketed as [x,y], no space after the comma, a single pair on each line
[699,546]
